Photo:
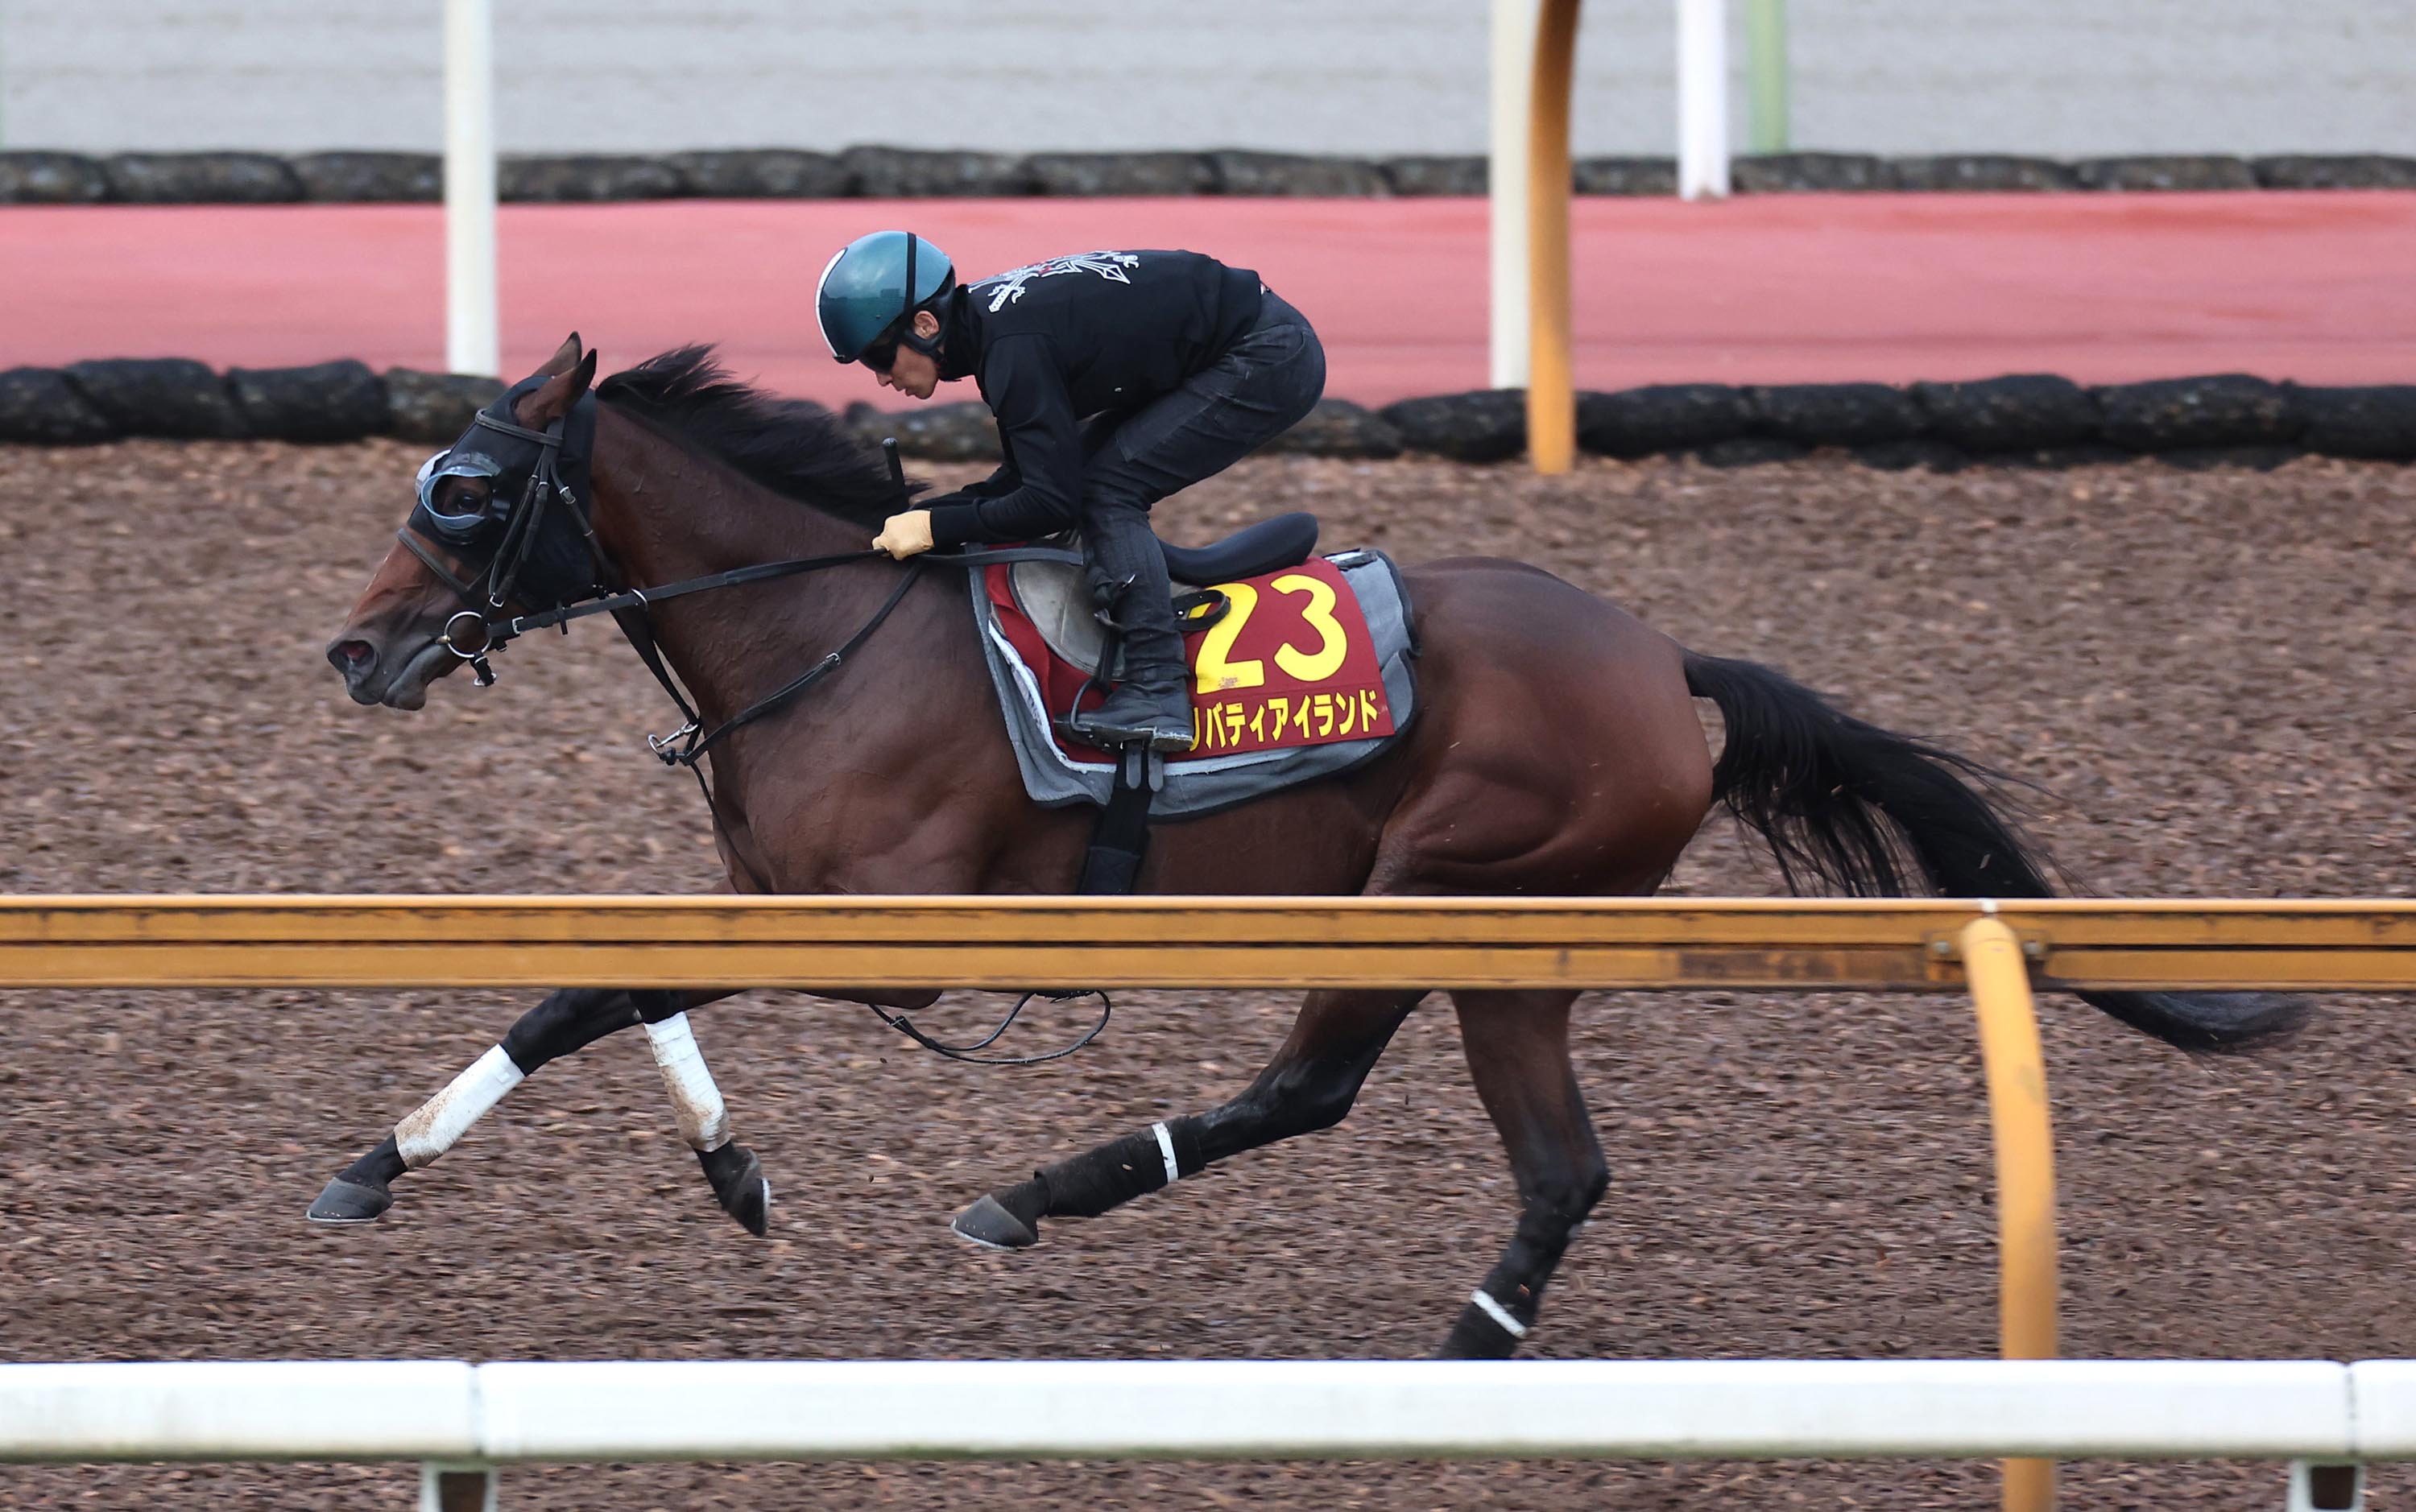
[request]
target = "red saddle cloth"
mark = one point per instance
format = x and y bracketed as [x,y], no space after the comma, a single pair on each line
[1289,664]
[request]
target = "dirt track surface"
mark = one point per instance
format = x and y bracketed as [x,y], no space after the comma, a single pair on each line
[2209,669]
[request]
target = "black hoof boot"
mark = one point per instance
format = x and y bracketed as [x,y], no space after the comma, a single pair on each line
[347,1200]
[1479,1336]
[739,1182]
[1005,1219]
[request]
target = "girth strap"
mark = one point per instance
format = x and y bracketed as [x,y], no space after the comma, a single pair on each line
[1111,867]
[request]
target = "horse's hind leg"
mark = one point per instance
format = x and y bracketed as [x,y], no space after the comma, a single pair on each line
[1309,1085]
[565,1022]
[1518,1047]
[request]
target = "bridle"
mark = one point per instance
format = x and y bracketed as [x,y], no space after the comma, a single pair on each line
[556,484]
[558,475]
[483,627]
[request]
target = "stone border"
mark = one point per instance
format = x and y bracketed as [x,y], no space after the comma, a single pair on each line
[2030,420]
[898,173]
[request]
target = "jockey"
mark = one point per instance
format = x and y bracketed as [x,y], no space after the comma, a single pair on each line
[1117,378]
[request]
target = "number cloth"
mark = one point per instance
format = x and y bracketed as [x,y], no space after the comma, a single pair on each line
[1307,673]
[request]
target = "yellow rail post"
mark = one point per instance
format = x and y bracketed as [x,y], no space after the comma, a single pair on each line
[2025,1144]
[1552,380]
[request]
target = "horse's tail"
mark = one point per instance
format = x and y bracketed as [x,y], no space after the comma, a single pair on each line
[1867,810]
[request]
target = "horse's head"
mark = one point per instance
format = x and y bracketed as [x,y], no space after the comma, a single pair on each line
[477,538]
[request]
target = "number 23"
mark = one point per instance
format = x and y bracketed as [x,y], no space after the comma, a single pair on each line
[1217,673]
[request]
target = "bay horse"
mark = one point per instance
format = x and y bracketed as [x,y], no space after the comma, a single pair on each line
[1556,751]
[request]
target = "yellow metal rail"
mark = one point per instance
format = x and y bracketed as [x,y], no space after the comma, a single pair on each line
[1995,951]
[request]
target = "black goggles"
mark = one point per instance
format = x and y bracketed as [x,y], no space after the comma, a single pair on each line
[882,355]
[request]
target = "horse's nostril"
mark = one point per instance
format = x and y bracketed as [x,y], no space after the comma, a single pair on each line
[352,655]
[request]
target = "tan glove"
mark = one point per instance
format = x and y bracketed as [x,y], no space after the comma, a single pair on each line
[905,535]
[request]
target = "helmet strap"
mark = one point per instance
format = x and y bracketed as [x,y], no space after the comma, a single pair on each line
[907,336]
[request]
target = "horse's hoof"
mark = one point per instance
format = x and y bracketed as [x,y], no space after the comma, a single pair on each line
[741,1186]
[753,1207]
[988,1223]
[351,1202]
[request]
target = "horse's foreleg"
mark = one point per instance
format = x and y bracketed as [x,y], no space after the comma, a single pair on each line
[563,1022]
[737,1176]
[1309,1085]
[1517,1046]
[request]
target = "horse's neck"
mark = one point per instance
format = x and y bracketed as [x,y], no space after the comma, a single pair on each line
[665,515]
[666,512]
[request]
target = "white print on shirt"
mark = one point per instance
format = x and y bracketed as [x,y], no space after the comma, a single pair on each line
[1006,287]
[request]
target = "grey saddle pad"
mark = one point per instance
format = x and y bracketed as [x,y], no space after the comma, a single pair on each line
[1055,598]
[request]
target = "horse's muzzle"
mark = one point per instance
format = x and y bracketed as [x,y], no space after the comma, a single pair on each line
[372,676]
[357,660]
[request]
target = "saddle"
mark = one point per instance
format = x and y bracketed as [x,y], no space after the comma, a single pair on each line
[1055,597]
[1300,666]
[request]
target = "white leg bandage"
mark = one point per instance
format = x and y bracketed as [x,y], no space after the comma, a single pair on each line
[703,1121]
[1165,1147]
[443,1118]
[1499,1313]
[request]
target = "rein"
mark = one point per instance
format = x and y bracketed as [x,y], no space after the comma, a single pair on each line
[486,631]
[686,745]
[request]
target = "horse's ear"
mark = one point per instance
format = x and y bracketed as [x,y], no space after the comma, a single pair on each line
[556,395]
[564,358]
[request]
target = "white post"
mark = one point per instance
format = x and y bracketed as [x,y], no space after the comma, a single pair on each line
[472,341]
[1702,99]
[445,1488]
[1513,98]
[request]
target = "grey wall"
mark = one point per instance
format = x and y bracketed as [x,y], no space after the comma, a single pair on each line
[2062,78]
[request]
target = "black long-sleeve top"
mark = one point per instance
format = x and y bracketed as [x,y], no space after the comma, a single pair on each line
[1070,338]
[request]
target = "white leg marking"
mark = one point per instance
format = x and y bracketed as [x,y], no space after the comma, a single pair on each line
[1165,1147]
[1499,1313]
[703,1120]
[442,1120]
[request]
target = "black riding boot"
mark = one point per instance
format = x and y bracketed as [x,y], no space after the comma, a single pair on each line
[1151,703]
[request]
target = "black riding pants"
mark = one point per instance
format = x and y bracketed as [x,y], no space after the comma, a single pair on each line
[1255,390]
[1259,387]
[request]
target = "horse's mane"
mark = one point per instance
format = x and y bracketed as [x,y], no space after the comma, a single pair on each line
[792,446]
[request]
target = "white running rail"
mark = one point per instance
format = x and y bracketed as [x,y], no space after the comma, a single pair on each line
[469,1417]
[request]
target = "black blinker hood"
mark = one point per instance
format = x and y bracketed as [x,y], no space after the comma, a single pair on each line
[558,567]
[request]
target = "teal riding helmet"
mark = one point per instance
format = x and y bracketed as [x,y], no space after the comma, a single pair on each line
[873,286]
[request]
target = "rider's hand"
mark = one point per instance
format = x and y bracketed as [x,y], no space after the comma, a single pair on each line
[905,535]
